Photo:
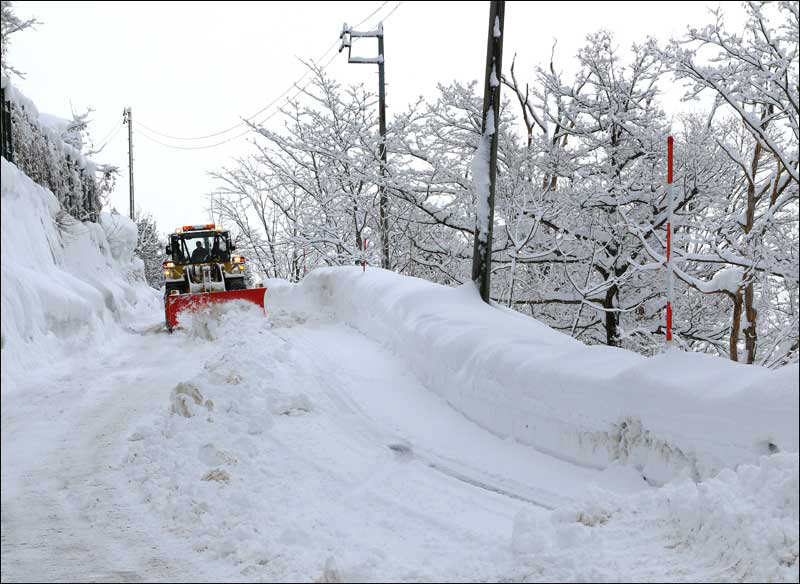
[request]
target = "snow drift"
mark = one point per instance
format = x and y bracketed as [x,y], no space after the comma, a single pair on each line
[61,278]
[677,414]
[740,526]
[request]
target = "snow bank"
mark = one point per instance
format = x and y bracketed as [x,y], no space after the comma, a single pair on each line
[740,526]
[61,279]
[677,414]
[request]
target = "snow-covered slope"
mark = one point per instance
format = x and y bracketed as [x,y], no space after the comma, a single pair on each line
[62,280]
[671,415]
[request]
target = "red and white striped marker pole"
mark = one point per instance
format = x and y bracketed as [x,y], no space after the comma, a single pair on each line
[364,257]
[670,290]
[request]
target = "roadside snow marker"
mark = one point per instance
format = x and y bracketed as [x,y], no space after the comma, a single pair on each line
[670,290]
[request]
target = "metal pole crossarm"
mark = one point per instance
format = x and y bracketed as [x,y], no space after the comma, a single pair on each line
[365,60]
[375,33]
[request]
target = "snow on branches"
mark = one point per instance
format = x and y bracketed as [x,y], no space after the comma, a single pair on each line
[580,208]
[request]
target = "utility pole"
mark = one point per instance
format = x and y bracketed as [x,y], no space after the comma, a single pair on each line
[127,118]
[347,41]
[482,251]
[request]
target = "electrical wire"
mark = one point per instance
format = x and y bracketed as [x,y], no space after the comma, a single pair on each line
[247,131]
[262,110]
[108,139]
[392,11]
[115,128]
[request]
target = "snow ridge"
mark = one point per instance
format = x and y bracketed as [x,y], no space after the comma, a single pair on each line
[590,405]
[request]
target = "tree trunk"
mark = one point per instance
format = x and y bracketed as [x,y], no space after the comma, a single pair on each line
[612,318]
[750,333]
[735,326]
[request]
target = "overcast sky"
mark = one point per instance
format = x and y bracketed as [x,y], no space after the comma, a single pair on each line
[195,68]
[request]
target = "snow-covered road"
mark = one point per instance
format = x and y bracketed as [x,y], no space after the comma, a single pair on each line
[66,516]
[309,454]
[375,470]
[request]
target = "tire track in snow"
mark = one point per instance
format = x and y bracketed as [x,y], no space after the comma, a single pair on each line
[66,512]
[340,377]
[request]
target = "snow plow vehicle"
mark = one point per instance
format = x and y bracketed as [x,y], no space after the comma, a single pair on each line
[200,270]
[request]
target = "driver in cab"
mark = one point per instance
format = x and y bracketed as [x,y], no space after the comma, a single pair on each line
[199,254]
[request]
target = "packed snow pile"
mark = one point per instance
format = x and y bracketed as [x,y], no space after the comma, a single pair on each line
[214,321]
[61,278]
[740,526]
[209,462]
[677,414]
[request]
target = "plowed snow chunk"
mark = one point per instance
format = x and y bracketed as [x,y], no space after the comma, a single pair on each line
[217,474]
[219,320]
[183,395]
[213,456]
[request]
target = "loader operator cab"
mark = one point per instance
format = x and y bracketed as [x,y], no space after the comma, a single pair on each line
[200,246]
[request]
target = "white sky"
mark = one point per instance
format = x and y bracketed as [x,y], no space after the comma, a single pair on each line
[193,68]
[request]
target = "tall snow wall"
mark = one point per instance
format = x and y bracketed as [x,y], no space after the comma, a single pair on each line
[65,283]
[670,415]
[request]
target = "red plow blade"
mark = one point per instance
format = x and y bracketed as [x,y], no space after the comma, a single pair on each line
[180,302]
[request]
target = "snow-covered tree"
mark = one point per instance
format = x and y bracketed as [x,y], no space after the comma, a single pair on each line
[594,146]
[581,207]
[11,24]
[751,225]
[149,248]
[309,194]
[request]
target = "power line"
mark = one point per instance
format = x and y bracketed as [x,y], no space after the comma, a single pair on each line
[116,126]
[262,110]
[108,139]
[249,121]
[390,13]
[231,139]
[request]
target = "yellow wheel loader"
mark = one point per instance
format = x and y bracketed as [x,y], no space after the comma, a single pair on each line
[201,269]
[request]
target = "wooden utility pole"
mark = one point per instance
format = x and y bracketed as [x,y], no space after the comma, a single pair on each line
[127,118]
[482,251]
[347,41]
